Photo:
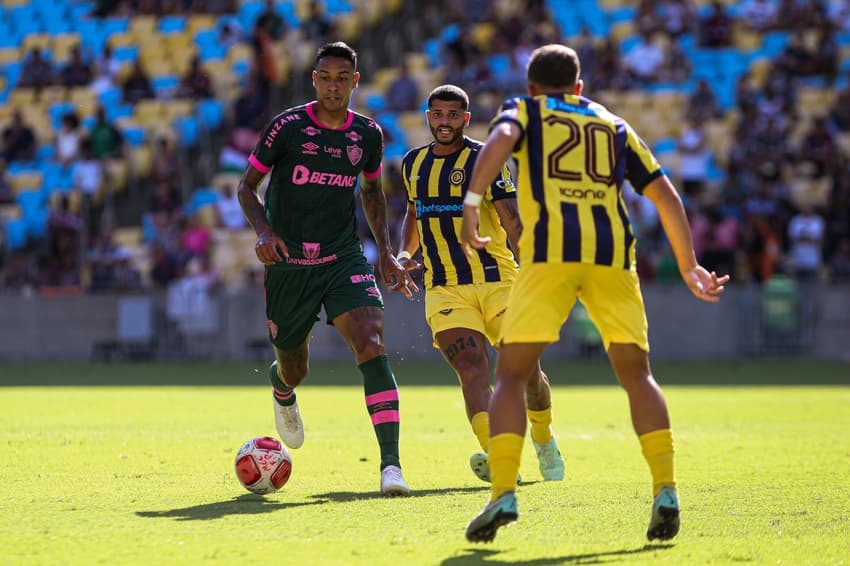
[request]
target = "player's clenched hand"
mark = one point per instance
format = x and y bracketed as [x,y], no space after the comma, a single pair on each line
[270,248]
[704,285]
[396,277]
[469,237]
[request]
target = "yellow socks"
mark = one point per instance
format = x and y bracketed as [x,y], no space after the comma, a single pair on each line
[541,421]
[504,458]
[481,427]
[658,450]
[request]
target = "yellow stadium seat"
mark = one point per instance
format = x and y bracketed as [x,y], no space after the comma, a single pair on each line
[759,69]
[622,30]
[10,212]
[22,97]
[127,237]
[52,94]
[199,22]
[144,27]
[75,200]
[63,43]
[348,26]
[9,55]
[84,99]
[417,62]
[40,40]
[482,36]
[149,111]
[383,78]
[122,39]
[179,108]
[26,181]
[118,173]
[207,215]
[140,161]
[240,52]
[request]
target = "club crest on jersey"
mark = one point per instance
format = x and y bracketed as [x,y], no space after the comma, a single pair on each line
[457,176]
[355,153]
[311,250]
[353,136]
[272,328]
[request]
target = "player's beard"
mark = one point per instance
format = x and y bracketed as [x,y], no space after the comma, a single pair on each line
[336,104]
[457,134]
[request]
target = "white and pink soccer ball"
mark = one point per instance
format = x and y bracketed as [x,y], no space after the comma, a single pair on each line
[263,465]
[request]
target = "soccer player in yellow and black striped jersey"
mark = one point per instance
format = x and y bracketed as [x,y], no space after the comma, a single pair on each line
[465,297]
[573,157]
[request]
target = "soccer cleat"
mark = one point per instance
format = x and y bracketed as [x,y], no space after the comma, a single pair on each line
[496,514]
[549,460]
[481,467]
[392,482]
[664,523]
[287,419]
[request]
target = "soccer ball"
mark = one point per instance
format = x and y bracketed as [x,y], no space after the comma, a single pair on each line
[263,465]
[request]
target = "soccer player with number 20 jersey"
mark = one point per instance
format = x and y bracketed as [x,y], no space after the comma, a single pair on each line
[573,157]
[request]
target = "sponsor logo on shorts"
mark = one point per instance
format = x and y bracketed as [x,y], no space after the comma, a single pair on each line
[272,328]
[317,261]
[374,292]
[355,153]
[363,278]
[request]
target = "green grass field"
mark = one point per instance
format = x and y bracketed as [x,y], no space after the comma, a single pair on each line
[133,464]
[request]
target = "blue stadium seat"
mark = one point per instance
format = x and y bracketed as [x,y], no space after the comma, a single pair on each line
[117,111]
[665,145]
[124,53]
[134,135]
[188,131]
[78,11]
[206,37]
[287,12]
[335,7]
[211,51]
[200,198]
[165,85]
[210,113]
[248,14]
[16,233]
[172,24]
[110,97]
[45,153]
[57,110]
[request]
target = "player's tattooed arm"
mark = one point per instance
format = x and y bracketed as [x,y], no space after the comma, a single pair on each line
[508,211]
[270,247]
[375,208]
[249,200]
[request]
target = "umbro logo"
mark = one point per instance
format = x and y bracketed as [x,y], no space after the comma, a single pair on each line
[446,311]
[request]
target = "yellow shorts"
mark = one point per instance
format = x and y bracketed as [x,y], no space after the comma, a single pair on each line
[544,294]
[478,307]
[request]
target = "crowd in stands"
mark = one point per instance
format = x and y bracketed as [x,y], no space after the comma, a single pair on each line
[754,131]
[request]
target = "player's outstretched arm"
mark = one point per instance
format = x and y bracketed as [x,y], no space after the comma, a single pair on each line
[409,240]
[705,285]
[489,164]
[270,248]
[375,207]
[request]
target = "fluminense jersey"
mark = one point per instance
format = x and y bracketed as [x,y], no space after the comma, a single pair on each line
[573,157]
[436,185]
[310,201]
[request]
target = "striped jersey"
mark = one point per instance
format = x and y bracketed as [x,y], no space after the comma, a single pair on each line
[436,185]
[573,156]
[310,200]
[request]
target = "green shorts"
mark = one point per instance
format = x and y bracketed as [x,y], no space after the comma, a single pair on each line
[294,297]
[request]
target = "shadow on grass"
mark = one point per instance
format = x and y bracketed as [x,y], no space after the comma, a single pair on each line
[486,556]
[346,496]
[243,505]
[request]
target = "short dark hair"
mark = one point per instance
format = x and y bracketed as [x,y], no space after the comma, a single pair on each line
[337,49]
[554,65]
[449,93]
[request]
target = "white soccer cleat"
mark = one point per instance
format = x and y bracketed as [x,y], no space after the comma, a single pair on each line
[392,482]
[550,460]
[287,419]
